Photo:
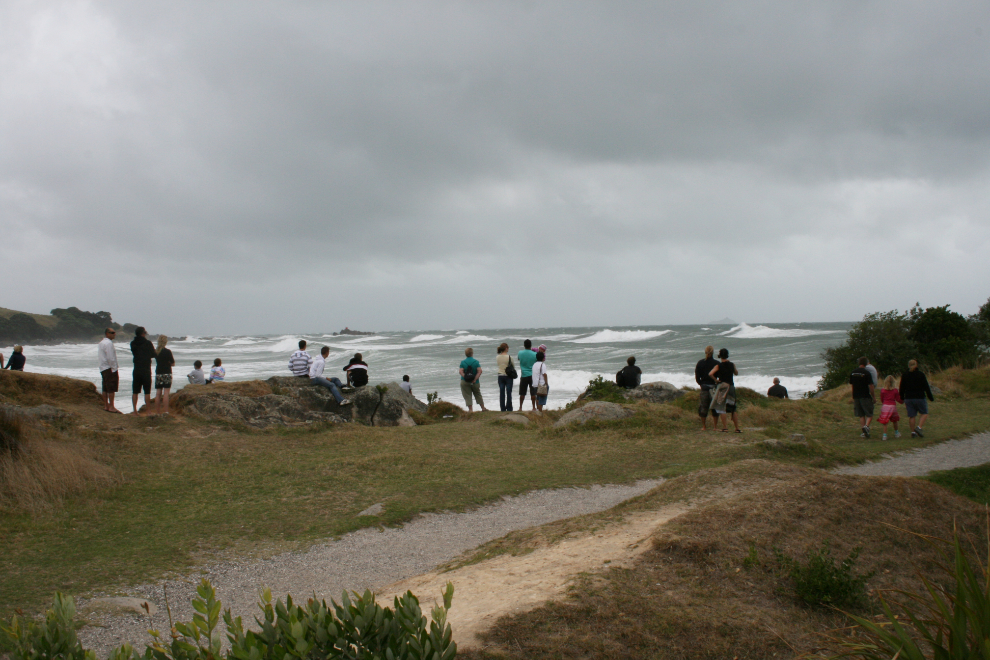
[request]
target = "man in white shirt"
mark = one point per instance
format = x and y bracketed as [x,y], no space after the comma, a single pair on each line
[873,373]
[316,377]
[108,369]
[300,361]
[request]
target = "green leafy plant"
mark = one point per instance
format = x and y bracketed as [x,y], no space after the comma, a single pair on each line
[820,582]
[751,559]
[600,389]
[356,629]
[947,620]
[432,397]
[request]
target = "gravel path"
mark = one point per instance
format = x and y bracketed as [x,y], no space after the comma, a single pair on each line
[365,559]
[974,450]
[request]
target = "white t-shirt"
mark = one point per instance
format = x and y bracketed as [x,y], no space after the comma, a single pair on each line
[316,369]
[873,372]
[539,371]
[406,385]
[108,355]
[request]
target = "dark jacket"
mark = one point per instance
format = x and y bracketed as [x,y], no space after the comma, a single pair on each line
[16,362]
[143,351]
[914,385]
[778,391]
[701,371]
[629,376]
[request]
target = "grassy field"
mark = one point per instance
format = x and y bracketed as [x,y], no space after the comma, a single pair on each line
[186,490]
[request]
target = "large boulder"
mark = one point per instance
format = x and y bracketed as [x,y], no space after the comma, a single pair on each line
[598,410]
[286,400]
[658,392]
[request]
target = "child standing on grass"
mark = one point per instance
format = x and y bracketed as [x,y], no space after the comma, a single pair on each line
[889,398]
[217,373]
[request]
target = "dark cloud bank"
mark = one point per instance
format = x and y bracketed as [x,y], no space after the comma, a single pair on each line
[267,167]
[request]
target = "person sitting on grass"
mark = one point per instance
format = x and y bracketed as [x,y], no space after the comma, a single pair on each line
[316,377]
[889,398]
[217,372]
[470,371]
[630,375]
[196,376]
[777,390]
[357,371]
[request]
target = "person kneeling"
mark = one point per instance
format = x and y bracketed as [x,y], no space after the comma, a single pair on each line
[316,377]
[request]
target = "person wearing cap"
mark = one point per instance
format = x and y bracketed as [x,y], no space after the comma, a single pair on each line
[777,390]
[724,401]
[109,369]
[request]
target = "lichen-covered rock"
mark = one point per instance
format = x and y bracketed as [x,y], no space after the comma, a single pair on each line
[657,392]
[597,410]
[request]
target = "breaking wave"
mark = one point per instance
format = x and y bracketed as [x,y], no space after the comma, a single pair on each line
[619,336]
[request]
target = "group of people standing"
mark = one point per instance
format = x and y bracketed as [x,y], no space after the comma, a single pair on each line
[716,378]
[912,390]
[532,374]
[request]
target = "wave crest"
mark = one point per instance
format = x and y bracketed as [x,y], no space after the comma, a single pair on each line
[620,336]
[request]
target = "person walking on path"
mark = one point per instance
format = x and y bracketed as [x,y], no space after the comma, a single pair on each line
[470,371]
[164,361]
[540,381]
[777,390]
[143,352]
[873,372]
[109,369]
[702,376]
[17,359]
[724,399]
[504,362]
[316,377]
[300,361]
[914,389]
[864,395]
[526,359]
[889,398]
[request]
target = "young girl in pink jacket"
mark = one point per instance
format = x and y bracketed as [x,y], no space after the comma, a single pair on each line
[889,398]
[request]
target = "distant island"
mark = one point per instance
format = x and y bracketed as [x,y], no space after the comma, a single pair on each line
[69,324]
[725,321]
[348,331]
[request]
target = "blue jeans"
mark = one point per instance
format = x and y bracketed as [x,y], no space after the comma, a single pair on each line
[333,385]
[505,393]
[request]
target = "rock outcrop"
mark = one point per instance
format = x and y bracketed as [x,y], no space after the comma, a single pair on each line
[598,410]
[658,392]
[287,400]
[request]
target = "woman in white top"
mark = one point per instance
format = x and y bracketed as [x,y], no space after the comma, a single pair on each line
[540,378]
[504,382]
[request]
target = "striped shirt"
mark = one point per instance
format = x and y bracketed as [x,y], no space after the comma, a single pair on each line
[299,363]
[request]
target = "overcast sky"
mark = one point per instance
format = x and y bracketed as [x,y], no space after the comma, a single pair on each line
[276,167]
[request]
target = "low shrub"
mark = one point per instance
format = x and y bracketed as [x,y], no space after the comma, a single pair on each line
[820,582]
[443,409]
[357,628]
[600,389]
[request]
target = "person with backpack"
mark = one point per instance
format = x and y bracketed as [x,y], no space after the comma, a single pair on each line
[470,371]
[506,374]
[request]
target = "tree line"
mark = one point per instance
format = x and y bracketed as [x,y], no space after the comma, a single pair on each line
[73,323]
[936,337]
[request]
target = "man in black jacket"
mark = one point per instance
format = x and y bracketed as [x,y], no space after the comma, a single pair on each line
[777,390]
[914,390]
[144,352]
[863,395]
[707,384]
[630,375]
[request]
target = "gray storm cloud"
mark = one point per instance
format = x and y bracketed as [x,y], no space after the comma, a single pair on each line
[258,167]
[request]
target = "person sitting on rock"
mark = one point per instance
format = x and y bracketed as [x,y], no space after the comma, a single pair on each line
[217,372]
[357,371]
[406,385]
[630,375]
[778,390]
[196,376]
[316,377]
[300,361]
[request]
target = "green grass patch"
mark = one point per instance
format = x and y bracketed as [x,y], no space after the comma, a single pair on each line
[971,482]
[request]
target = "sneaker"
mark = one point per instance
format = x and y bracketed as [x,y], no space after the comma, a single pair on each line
[914,434]
[345,402]
[862,435]
[897,434]
[866,431]
[917,429]
[884,437]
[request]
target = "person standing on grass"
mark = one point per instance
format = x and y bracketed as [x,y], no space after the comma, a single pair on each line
[702,376]
[914,389]
[540,381]
[724,399]
[873,372]
[300,361]
[470,371]
[164,361]
[889,398]
[316,377]
[777,390]
[864,395]
[504,361]
[109,369]
[526,359]
[143,352]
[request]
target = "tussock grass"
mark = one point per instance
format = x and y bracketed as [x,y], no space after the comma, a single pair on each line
[37,474]
[32,389]
[710,586]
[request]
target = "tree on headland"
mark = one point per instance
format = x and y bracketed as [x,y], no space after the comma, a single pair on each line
[937,337]
[72,324]
[980,323]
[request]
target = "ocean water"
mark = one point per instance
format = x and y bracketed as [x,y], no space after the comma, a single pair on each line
[790,351]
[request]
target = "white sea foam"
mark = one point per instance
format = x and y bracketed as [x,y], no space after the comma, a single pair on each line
[463,339]
[419,338]
[620,336]
[240,342]
[461,332]
[285,344]
[706,328]
[744,331]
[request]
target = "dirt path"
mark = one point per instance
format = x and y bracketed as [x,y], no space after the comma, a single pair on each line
[974,450]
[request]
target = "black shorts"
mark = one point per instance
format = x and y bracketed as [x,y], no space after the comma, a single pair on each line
[141,379]
[111,380]
[524,382]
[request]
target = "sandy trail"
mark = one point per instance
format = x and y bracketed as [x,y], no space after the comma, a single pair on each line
[974,450]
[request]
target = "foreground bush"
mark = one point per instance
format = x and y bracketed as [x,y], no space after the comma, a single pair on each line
[355,629]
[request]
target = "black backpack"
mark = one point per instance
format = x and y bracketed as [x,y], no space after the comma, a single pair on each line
[470,374]
[620,378]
